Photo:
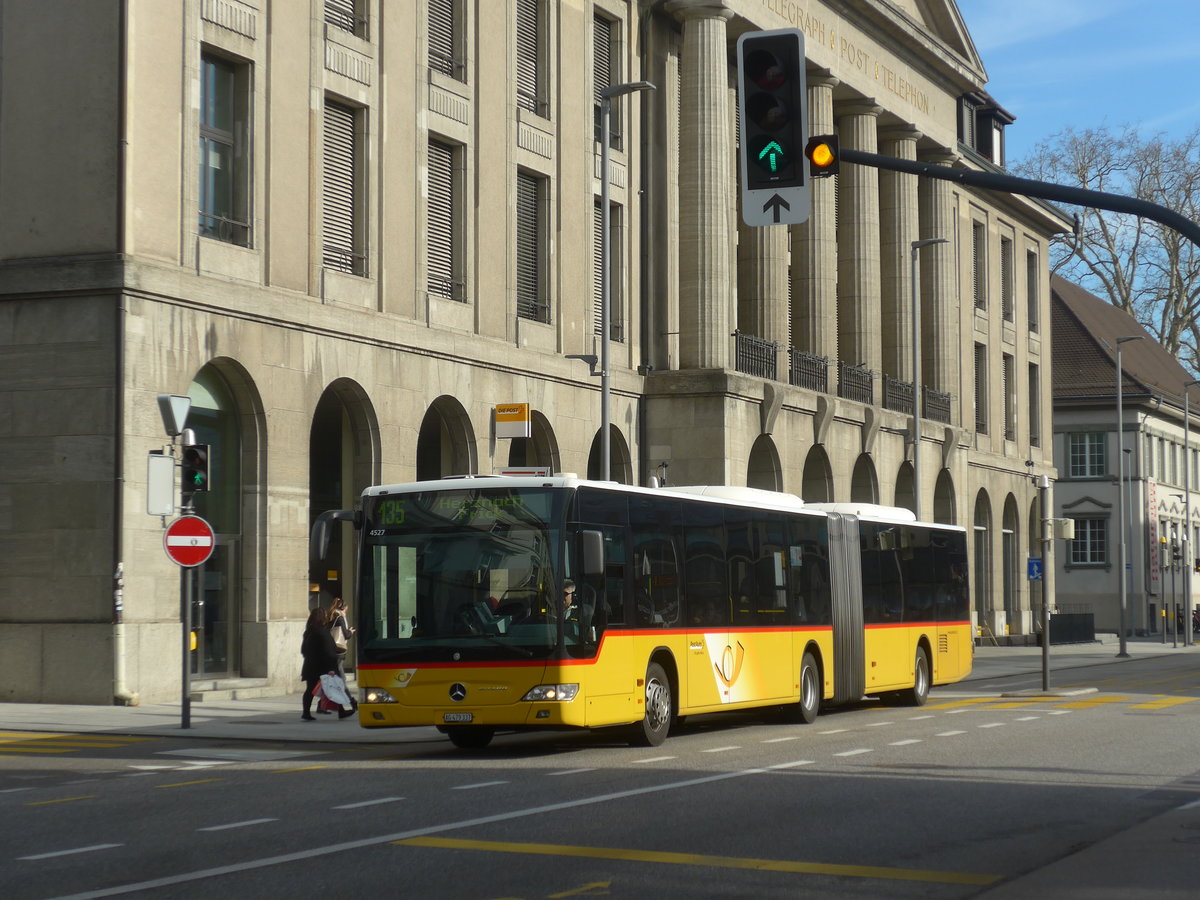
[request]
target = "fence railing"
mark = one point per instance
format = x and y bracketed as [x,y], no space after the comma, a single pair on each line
[754,356]
[856,383]
[807,370]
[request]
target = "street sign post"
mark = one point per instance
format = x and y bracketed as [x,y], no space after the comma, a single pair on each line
[189,541]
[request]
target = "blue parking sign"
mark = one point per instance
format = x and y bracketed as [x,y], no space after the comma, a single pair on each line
[1035,568]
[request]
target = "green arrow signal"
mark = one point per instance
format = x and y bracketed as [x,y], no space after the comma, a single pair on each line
[774,154]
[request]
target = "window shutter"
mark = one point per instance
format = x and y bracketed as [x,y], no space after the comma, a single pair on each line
[340,14]
[978,275]
[602,70]
[529,305]
[440,245]
[1006,279]
[597,268]
[981,398]
[441,37]
[339,184]
[528,80]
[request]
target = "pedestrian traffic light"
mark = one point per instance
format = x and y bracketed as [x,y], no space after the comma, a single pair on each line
[195,468]
[773,121]
[824,155]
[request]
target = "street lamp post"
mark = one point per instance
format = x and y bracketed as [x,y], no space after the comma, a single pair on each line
[606,97]
[1123,650]
[1189,555]
[916,368]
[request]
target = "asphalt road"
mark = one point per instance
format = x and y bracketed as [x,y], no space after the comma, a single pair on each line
[973,795]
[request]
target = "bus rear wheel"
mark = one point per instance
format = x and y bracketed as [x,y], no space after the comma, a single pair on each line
[655,724]
[805,710]
[919,692]
[470,737]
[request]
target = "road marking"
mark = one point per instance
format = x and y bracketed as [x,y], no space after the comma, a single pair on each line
[299,769]
[14,790]
[878,724]
[481,784]
[237,824]
[835,731]
[954,705]
[903,743]
[793,737]
[919,718]
[1028,718]
[69,852]
[793,764]
[697,859]
[62,800]
[572,771]
[721,749]
[1058,712]
[857,752]
[993,725]
[1163,703]
[215,756]
[186,783]
[1101,700]
[948,733]
[654,759]
[363,803]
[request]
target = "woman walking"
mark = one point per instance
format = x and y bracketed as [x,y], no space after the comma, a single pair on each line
[320,657]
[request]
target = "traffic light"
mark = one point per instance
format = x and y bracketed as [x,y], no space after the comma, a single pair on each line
[773,122]
[823,154]
[195,468]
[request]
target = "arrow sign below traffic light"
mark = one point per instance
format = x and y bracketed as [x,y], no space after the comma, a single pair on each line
[775,204]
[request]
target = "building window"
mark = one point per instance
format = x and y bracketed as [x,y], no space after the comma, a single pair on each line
[605,74]
[1086,454]
[531,248]
[1032,294]
[348,15]
[1035,406]
[1008,376]
[616,318]
[979,264]
[1090,545]
[446,41]
[224,151]
[343,232]
[1006,279]
[444,219]
[531,78]
[981,389]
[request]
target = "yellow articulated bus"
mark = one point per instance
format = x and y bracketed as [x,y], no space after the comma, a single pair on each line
[498,603]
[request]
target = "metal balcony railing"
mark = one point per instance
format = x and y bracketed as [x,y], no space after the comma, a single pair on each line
[856,383]
[897,394]
[754,356]
[807,370]
[936,405]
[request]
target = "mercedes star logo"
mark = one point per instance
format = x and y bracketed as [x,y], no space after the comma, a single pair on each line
[458,691]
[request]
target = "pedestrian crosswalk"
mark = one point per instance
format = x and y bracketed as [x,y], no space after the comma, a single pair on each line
[37,743]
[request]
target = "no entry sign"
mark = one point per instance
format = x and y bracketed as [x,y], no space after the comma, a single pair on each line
[189,541]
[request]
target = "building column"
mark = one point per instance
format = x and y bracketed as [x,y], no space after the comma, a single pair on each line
[939,306]
[859,315]
[814,244]
[899,218]
[762,278]
[705,187]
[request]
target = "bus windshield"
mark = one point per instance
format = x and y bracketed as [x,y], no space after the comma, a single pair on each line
[460,574]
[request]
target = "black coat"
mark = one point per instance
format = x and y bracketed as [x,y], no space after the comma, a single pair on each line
[319,652]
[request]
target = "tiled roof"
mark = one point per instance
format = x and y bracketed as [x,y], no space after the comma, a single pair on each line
[1085,367]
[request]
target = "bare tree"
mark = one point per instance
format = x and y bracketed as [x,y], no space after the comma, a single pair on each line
[1147,269]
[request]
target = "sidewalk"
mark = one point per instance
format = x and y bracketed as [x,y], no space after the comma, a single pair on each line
[278,718]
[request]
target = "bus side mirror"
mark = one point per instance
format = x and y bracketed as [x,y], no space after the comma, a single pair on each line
[592,547]
[322,531]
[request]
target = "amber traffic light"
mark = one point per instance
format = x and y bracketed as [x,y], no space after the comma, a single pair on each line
[823,155]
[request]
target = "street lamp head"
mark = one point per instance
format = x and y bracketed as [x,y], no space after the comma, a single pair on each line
[926,242]
[1125,340]
[616,90]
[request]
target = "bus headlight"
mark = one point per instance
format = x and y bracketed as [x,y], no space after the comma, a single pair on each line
[377,695]
[563,692]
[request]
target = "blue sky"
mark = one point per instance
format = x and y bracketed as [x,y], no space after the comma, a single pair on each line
[1088,63]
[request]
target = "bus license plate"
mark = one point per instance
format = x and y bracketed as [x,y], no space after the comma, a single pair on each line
[458,717]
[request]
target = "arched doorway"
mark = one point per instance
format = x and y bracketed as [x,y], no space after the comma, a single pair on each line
[981,574]
[764,470]
[343,454]
[905,488]
[945,510]
[817,483]
[619,461]
[864,485]
[540,449]
[446,442]
[1009,556]
[225,414]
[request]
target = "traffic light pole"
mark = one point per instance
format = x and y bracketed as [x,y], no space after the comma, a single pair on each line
[1010,184]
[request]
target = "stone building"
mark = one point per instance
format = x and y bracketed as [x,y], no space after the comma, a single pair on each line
[1160,474]
[348,230]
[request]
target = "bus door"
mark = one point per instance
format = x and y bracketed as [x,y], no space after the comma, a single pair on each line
[845,559]
[706,603]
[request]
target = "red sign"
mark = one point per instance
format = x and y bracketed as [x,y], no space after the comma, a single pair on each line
[189,541]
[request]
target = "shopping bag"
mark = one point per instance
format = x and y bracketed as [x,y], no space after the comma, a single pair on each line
[334,689]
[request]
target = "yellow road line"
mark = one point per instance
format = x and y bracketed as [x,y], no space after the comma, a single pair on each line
[966,701]
[61,800]
[1098,700]
[301,769]
[186,783]
[16,750]
[63,743]
[1163,703]
[696,859]
[51,735]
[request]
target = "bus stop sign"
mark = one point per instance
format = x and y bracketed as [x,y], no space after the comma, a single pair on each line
[189,541]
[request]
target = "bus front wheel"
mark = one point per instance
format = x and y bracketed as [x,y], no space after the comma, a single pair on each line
[805,710]
[470,737]
[655,724]
[919,692]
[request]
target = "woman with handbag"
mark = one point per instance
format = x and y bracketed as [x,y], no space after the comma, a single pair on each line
[340,628]
[320,656]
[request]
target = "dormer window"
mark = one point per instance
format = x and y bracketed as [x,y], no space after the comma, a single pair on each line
[981,123]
